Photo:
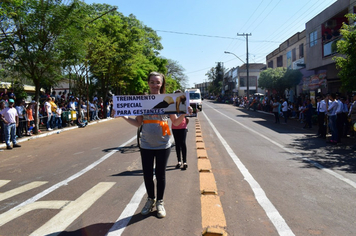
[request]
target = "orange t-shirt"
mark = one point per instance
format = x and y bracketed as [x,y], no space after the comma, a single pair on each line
[29,114]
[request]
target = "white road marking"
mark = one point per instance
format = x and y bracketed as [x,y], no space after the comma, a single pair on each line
[14,213]
[3,182]
[20,189]
[291,151]
[66,181]
[260,195]
[125,217]
[72,211]
[78,153]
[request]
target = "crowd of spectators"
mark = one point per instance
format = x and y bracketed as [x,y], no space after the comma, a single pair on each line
[55,111]
[307,111]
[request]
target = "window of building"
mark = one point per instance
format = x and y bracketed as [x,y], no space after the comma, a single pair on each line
[294,54]
[313,38]
[280,61]
[252,81]
[301,51]
[270,64]
[242,82]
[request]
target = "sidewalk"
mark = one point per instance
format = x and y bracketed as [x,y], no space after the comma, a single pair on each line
[45,133]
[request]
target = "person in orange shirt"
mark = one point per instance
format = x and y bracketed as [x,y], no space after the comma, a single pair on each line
[30,120]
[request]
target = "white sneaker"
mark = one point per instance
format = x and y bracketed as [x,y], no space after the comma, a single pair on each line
[148,206]
[161,212]
[49,129]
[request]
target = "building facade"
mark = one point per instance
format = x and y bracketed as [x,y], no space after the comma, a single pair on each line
[230,84]
[312,50]
[203,88]
[291,54]
[323,32]
[254,74]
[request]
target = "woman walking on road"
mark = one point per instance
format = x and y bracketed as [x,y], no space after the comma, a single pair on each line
[155,147]
[180,135]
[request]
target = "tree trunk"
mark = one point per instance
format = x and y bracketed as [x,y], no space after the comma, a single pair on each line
[37,100]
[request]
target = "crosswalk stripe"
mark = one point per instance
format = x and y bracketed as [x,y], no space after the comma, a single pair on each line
[21,189]
[15,213]
[73,210]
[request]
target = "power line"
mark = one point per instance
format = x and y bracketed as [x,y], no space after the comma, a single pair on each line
[250,25]
[251,16]
[260,14]
[200,35]
[212,36]
[288,25]
[268,14]
[274,35]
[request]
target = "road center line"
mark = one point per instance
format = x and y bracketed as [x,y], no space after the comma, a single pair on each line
[73,177]
[260,195]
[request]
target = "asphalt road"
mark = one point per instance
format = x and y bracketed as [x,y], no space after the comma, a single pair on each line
[271,179]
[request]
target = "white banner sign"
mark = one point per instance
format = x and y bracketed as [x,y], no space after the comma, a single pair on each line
[151,104]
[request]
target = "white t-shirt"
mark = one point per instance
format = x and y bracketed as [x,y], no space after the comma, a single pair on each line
[20,111]
[91,107]
[9,114]
[59,112]
[48,107]
[285,106]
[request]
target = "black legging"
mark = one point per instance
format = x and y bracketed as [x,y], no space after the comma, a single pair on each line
[147,157]
[180,136]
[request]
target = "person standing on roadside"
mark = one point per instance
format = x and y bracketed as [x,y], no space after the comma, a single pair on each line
[285,110]
[21,111]
[180,136]
[339,118]
[332,106]
[352,115]
[11,120]
[321,109]
[54,111]
[275,107]
[2,124]
[155,147]
[308,112]
[29,117]
[48,113]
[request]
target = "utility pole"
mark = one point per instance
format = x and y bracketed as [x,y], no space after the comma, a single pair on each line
[247,65]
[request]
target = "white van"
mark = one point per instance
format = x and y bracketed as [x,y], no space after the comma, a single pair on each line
[195,99]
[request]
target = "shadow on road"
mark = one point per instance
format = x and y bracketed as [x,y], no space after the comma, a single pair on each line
[320,153]
[331,156]
[125,150]
[91,230]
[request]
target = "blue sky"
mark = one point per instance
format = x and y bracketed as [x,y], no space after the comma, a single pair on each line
[195,33]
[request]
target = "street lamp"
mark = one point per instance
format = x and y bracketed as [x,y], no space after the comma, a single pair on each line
[235,56]
[247,84]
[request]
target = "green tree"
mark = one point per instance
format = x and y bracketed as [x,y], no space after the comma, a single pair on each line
[122,52]
[279,79]
[29,33]
[215,76]
[347,61]
[176,71]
